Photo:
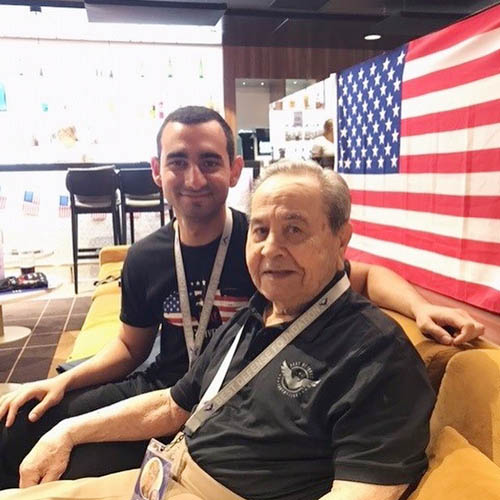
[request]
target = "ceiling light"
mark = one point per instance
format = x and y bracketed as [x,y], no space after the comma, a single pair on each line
[244,83]
[262,83]
[373,36]
[295,82]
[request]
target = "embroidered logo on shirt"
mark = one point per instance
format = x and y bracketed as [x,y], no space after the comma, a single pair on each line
[295,378]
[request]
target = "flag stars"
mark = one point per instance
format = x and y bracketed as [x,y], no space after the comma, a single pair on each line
[387,149]
[375,127]
[365,83]
[344,90]
[394,161]
[381,138]
[361,72]
[349,142]
[390,74]
[369,140]
[383,88]
[354,87]
[397,84]
[370,93]
[365,106]
[395,110]
[376,103]
[389,99]
[353,153]
[349,120]
[388,124]
[354,131]
[401,58]
[347,164]
[341,80]
[343,132]
[358,163]
[395,135]
[380,162]
[373,68]
[364,129]
[382,114]
[349,99]
[377,79]
[385,64]
[363,152]
[369,163]
[369,116]
[360,96]
[358,141]
[359,119]
[349,78]
[354,108]
[375,150]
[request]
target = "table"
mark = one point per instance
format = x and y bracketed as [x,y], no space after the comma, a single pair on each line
[13,333]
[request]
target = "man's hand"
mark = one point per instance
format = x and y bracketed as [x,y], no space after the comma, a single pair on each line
[49,392]
[48,459]
[431,319]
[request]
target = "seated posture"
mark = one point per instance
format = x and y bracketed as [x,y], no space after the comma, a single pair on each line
[336,404]
[196,166]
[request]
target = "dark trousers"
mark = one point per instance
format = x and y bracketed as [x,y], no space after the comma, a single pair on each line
[94,459]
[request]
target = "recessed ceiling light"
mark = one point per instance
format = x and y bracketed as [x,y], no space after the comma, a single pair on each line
[295,82]
[373,36]
[244,83]
[262,83]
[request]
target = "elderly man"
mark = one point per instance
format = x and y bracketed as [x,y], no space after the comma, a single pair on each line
[322,395]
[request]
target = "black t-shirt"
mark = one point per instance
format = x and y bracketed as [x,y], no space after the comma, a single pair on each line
[348,399]
[150,296]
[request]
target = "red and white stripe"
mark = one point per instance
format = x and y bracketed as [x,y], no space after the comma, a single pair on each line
[437,222]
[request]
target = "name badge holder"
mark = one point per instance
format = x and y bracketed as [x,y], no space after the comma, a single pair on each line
[194,342]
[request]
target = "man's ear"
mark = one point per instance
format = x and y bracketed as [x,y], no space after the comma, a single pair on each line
[155,171]
[236,168]
[344,234]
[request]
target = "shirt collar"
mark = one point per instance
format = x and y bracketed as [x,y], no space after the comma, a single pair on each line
[258,304]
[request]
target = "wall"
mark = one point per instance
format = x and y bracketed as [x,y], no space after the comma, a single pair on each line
[252,105]
[282,62]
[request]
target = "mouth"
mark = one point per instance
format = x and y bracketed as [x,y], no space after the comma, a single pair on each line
[195,194]
[277,273]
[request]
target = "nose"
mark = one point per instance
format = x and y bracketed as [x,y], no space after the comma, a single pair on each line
[272,245]
[194,178]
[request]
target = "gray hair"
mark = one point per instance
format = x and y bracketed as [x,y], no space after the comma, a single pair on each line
[334,189]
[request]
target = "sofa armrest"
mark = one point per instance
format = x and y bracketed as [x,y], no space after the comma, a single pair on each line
[435,356]
[469,400]
[115,253]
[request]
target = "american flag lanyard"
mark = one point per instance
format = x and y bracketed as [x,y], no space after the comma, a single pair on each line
[215,397]
[194,342]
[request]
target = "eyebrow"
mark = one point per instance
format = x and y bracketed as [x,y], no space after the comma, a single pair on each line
[293,216]
[176,154]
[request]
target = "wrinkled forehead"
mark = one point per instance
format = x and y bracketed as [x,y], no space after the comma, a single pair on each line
[287,197]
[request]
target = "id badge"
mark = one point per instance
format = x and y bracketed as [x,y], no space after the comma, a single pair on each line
[154,475]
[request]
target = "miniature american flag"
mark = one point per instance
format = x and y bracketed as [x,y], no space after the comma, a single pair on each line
[31,203]
[64,208]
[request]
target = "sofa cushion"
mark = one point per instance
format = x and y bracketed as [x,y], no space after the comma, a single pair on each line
[435,356]
[469,400]
[458,471]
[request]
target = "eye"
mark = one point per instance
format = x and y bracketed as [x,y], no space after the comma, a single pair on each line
[177,163]
[293,229]
[259,233]
[210,164]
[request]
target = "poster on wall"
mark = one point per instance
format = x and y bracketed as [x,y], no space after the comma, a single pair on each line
[297,119]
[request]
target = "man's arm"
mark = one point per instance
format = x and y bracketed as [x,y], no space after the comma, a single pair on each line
[134,419]
[115,361]
[387,289]
[350,490]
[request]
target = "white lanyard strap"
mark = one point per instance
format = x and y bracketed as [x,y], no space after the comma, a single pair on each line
[208,408]
[194,342]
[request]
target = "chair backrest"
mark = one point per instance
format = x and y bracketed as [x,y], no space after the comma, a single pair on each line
[92,181]
[137,182]
[256,165]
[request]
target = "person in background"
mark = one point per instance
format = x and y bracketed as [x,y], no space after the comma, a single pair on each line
[196,165]
[323,146]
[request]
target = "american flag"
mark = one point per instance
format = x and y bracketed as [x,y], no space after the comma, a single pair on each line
[3,199]
[99,216]
[31,203]
[419,146]
[226,306]
[64,208]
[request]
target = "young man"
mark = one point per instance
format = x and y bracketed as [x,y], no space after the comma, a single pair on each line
[337,402]
[196,166]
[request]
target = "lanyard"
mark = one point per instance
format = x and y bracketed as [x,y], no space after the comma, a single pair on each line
[211,403]
[194,342]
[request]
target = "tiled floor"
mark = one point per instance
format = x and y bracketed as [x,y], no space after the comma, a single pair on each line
[48,316]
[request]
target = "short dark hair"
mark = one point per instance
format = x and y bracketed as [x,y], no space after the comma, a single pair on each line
[194,115]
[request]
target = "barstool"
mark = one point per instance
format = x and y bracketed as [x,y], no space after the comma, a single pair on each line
[139,193]
[92,190]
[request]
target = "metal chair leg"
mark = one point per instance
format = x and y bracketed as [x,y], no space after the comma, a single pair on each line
[132,233]
[74,236]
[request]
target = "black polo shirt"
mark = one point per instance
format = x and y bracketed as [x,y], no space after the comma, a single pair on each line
[347,399]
